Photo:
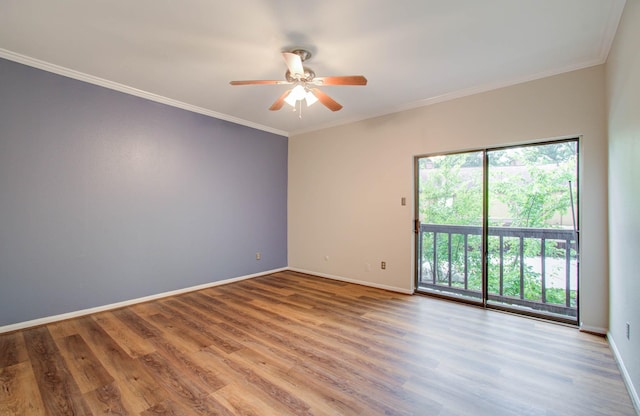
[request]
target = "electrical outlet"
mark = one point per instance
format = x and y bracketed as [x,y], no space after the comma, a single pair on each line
[258,256]
[628,330]
[383,265]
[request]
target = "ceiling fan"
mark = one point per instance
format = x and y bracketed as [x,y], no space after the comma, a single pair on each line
[305,83]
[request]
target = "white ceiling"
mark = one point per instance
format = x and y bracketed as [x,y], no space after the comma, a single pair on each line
[413,52]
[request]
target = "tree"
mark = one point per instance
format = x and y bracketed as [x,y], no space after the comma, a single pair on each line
[451,193]
[531,182]
[533,199]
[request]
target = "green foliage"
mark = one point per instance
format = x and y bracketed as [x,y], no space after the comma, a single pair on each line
[530,183]
[447,196]
[533,200]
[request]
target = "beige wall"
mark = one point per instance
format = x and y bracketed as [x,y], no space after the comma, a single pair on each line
[345,183]
[623,98]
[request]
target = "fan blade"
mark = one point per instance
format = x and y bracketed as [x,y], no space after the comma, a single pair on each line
[259,82]
[277,105]
[346,80]
[328,102]
[294,63]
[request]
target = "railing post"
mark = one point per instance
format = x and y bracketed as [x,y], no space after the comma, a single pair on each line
[420,245]
[567,257]
[466,261]
[543,255]
[445,283]
[521,267]
[434,269]
[449,268]
[501,265]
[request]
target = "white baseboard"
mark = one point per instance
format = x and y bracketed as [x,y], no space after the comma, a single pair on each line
[625,374]
[75,314]
[358,282]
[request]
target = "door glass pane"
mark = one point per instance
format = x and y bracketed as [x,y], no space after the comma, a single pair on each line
[532,248]
[450,213]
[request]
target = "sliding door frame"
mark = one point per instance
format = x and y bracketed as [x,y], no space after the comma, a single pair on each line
[484,298]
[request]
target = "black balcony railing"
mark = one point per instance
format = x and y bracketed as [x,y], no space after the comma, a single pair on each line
[527,267]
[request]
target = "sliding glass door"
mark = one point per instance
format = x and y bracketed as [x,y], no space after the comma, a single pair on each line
[498,227]
[450,207]
[532,245]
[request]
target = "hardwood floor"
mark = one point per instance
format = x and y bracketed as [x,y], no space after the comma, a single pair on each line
[295,344]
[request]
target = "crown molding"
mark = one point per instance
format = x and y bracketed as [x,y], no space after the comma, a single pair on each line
[80,76]
[609,33]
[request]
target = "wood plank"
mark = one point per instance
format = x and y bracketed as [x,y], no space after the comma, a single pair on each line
[138,389]
[286,364]
[292,343]
[87,371]
[59,391]
[133,344]
[243,404]
[184,341]
[107,400]
[320,401]
[207,379]
[146,309]
[188,324]
[308,351]
[19,394]
[167,408]
[343,342]
[293,402]
[354,356]
[183,389]
[62,329]
[138,325]
[12,349]
[251,386]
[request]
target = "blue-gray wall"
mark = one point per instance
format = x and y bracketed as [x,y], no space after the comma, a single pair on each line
[106,197]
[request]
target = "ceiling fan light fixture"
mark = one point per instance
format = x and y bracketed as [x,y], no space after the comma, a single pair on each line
[298,93]
[291,100]
[304,83]
[310,98]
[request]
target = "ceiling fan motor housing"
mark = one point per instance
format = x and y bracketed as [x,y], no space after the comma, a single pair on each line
[308,75]
[302,53]
[305,82]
